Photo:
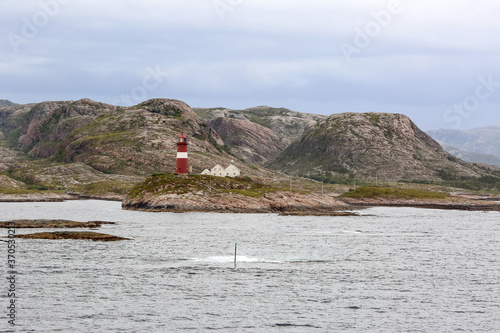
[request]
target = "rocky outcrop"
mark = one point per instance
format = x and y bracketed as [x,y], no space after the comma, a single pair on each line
[278,202]
[253,142]
[48,123]
[49,224]
[36,197]
[386,146]
[76,235]
[453,203]
[178,193]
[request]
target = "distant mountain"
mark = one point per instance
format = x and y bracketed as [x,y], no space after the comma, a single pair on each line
[370,145]
[6,103]
[484,140]
[472,157]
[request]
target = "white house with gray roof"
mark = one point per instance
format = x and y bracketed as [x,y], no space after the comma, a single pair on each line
[219,171]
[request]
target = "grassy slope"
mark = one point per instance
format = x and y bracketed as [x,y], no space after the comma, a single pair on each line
[159,184]
[392,193]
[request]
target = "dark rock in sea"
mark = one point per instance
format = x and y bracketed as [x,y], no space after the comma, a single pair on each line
[48,224]
[82,235]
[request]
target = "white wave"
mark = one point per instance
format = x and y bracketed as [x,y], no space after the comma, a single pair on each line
[230,259]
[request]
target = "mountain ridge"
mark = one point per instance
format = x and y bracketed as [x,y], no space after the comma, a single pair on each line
[87,147]
[481,140]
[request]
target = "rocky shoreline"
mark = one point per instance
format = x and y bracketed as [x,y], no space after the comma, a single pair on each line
[56,197]
[276,202]
[451,203]
[296,204]
[284,203]
[49,224]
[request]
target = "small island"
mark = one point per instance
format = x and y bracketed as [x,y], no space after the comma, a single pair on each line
[50,224]
[56,224]
[78,235]
[202,193]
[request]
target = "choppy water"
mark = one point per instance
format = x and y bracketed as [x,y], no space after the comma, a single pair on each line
[396,270]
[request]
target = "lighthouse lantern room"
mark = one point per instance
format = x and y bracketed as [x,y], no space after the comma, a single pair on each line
[182,155]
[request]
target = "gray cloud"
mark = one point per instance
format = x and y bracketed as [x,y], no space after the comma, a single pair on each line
[420,62]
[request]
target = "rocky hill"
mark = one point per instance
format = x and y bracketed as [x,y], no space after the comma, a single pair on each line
[85,145]
[371,146]
[258,134]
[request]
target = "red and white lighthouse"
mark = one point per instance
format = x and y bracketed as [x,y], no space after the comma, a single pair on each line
[182,155]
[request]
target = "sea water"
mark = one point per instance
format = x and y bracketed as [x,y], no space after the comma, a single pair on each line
[389,270]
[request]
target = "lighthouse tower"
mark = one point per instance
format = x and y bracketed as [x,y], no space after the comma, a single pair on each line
[182,155]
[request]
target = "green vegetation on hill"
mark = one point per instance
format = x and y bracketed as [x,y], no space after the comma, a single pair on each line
[45,177]
[392,193]
[167,183]
[487,182]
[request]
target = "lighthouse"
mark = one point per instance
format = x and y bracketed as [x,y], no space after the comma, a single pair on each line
[182,155]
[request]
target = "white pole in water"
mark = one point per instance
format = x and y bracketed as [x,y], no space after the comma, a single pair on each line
[235,248]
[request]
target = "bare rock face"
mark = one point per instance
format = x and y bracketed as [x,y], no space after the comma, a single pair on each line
[143,139]
[256,143]
[369,145]
[173,108]
[260,133]
[47,124]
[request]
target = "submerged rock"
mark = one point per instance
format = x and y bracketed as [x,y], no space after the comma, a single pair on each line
[318,213]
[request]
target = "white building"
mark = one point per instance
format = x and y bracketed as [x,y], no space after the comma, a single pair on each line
[232,171]
[220,171]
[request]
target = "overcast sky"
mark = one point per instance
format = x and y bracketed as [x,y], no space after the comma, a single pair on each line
[435,61]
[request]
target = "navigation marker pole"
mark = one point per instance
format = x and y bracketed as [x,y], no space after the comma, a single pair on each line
[235,248]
